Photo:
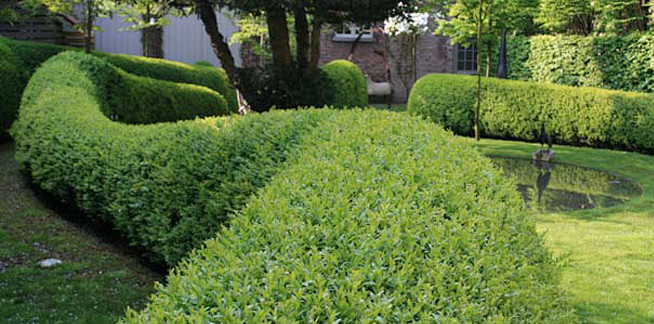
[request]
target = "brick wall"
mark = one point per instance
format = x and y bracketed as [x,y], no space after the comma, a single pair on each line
[434,54]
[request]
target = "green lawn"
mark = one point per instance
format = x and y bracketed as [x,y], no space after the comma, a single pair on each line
[608,253]
[96,281]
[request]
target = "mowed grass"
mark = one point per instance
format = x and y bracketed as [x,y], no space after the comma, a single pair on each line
[96,282]
[608,254]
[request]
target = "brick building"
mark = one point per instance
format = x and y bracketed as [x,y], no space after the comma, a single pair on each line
[385,59]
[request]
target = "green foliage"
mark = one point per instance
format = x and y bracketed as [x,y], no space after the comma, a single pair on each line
[339,84]
[379,217]
[12,79]
[167,187]
[516,110]
[347,84]
[566,16]
[21,58]
[515,16]
[612,62]
[210,77]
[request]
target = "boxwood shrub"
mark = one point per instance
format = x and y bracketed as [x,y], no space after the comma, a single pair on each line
[347,84]
[167,186]
[12,79]
[379,217]
[210,77]
[516,110]
[350,216]
[25,57]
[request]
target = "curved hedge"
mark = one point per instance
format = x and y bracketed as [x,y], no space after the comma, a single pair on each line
[156,183]
[379,217]
[517,109]
[210,77]
[349,216]
[30,55]
[347,84]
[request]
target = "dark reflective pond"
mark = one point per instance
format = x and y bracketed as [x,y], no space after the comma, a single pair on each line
[553,187]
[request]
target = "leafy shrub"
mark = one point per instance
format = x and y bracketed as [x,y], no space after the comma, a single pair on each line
[210,77]
[26,57]
[624,62]
[167,187]
[11,85]
[339,84]
[380,217]
[271,89]
[516,110]
[347,83]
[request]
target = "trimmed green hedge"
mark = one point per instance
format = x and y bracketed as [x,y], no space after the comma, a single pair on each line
[348,86]
[349,215]
[624,62]
[517,109]
[380,217]
[210,77]
[12,79]
[167,187]
[26,57]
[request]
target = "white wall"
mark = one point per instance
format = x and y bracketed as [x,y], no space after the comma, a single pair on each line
[184,39]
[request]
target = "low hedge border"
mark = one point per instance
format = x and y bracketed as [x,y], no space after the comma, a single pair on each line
[379,217]
[517,109]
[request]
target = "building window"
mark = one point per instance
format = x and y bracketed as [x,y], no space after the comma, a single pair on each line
[350,32]
[467,59]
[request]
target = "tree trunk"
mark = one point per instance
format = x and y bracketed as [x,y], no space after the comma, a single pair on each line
[279,39]
[480,23]
[152,41]
[316,32]
[302,38]
[489,58]
[89,26]
[219,44]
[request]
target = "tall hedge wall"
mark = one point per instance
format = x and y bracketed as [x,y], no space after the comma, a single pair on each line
[611,62]
[517,109]
[350,216]
[26,57]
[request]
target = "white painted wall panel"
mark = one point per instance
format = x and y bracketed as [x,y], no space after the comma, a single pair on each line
[184,39]
[112,40]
